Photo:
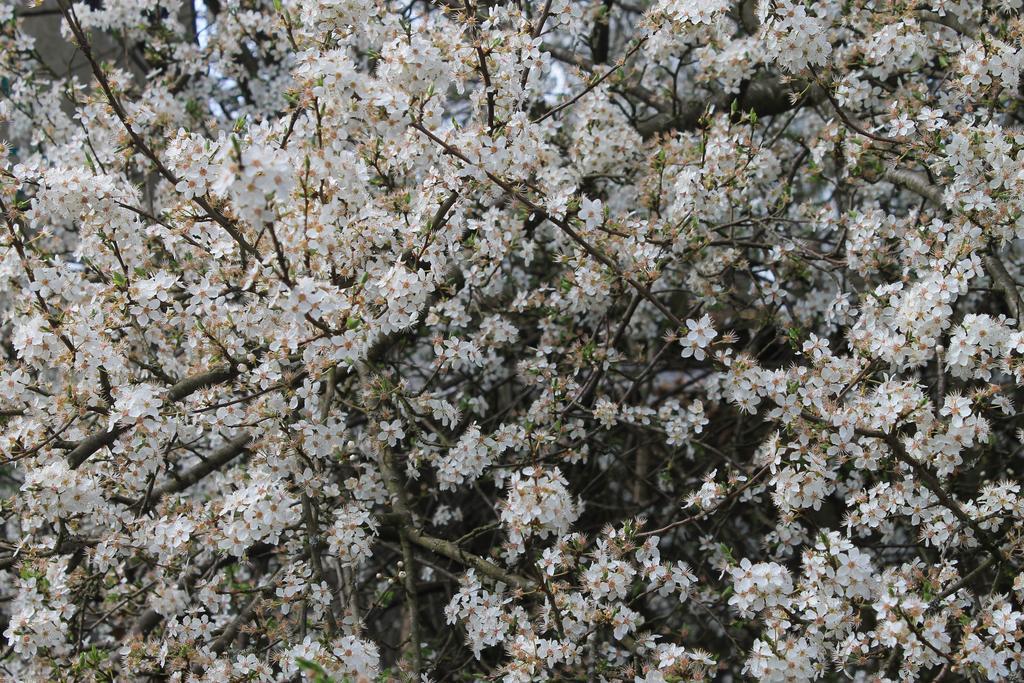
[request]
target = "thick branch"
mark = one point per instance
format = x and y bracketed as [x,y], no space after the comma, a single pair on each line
[214,462]
[765,95]
[183,389]
[454,552]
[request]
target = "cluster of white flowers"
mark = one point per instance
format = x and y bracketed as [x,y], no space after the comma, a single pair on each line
[792,37]
[57,492]
[166,536]
[761,586]
[259,511]
[467,459]
[538,505]
[609,575]
[346,657]
[983,66]
[349,538]
[42,606]
[139,403]
[699,335]
[481,611]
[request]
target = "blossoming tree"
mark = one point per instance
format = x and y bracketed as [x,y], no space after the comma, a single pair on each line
[465,340]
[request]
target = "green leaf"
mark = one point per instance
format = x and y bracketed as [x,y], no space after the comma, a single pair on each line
[319,675]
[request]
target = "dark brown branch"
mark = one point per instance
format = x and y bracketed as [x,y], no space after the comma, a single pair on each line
[222,456]
[186,387]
